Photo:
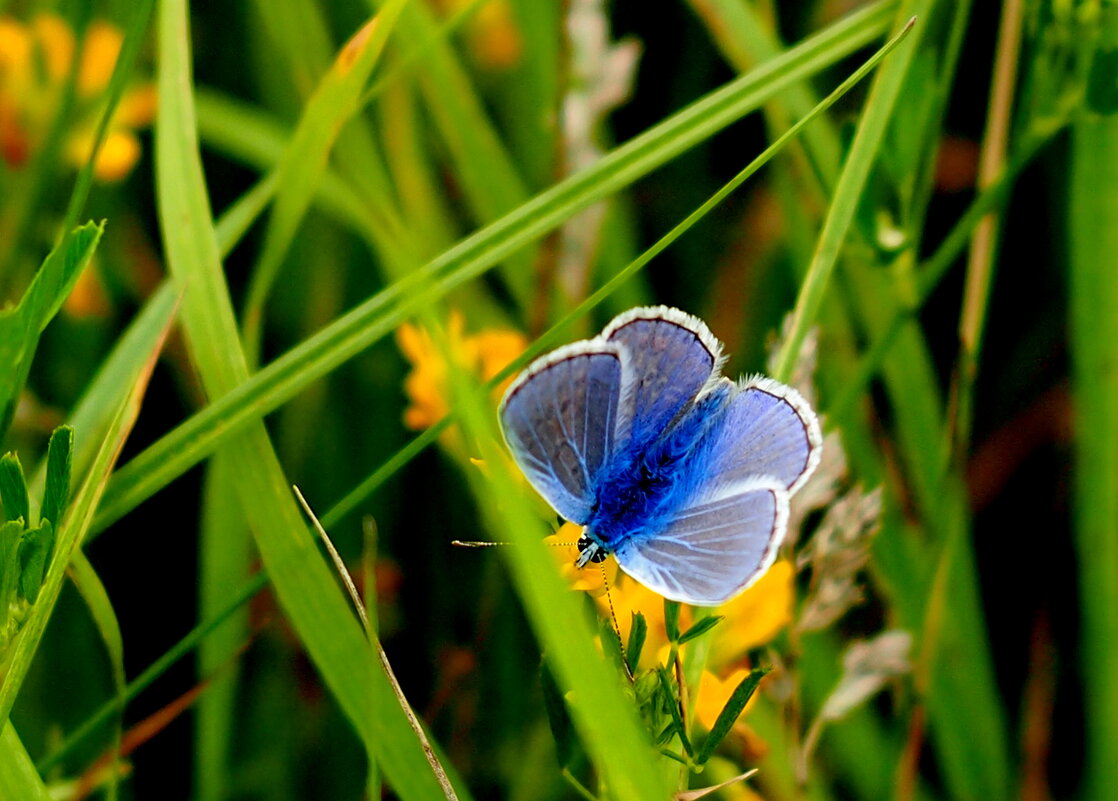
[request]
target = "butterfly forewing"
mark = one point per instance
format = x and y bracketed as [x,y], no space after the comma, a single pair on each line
[559,419]
[707,552]
[669,357]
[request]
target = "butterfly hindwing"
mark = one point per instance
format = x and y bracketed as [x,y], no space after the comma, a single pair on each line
[559,419]
[710,550]
[669,358]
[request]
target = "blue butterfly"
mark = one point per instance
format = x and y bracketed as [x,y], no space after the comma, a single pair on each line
[679,472]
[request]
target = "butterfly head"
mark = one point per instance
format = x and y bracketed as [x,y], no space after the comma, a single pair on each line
[589,550]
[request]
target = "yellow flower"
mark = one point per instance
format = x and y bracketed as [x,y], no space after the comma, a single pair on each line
[88,298]
[595,578]
[427,385]
[491,33]
[755,616]
[36,60]
[714,693]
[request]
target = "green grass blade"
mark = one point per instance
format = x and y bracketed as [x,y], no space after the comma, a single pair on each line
[18,777]
[848,191]
[306,588]
[225,555]
[13,490]
[96,598]
[730,713]
[602,714]
[1093,239]
[382,313]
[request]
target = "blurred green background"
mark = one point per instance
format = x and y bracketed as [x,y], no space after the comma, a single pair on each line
[373,221]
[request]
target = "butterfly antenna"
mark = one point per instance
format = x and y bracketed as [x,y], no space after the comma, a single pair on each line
[487,543]
[616,627]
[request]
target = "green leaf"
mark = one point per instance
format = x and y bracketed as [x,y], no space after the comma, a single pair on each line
[11,533]
[34,556]
[671,619]
[13,489]
[21,326]
[672,703]
[638,631]
[59,462]
[730,713]
[700,628]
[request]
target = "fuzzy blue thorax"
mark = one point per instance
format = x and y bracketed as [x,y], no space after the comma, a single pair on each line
[643,482]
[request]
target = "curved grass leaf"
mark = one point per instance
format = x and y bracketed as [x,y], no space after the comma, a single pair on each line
[306,588]
[21,325]
[304,160]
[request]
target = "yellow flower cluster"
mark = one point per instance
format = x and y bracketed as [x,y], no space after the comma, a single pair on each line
[427,386]
[491,33]
[36,61]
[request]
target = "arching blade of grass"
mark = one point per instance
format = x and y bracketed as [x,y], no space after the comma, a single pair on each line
[253,137]
[304,584]
[1093,242]
[18,777]
[378,316]
[304,161]
[976,764]
[490,182]
[848,191]
[100,607]
[605,719]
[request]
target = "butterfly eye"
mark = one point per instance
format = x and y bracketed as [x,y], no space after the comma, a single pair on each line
[599,553]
